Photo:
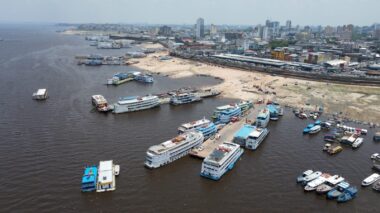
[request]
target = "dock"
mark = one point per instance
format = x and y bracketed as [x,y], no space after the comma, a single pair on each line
[225,134]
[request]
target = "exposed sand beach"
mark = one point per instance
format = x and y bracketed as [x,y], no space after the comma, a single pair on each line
[356,102]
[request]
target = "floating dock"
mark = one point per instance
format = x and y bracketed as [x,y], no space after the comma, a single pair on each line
[225,134]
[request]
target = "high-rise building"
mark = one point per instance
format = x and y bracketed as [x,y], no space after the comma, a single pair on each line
[267,33]
[200,28]
[288,24]
[165,31]
[213,30]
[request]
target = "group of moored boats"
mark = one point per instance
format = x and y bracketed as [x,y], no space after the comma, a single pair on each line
[101,178]
[334,186]
[192,134]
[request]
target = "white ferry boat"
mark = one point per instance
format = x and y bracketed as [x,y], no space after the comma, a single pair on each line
[204,125]
[262,119]
[221,160]
[100,103]
[130,104]
[171,150]
[184,98]
[256,137]
[106,177]
[41,94]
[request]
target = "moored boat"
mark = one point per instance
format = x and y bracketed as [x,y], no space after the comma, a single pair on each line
[376,186]
[221,160]
[100,103]
[89,179]
[376,137]
[204,125]
[334,150]
[262,118]
[229,112]
[41,94]
[171,150]
[370,179]
[315,129]
[374,155]
[306,173]
[184,98]
[312,185]
[256,137]
[311,177]
[357,143]
[135,103]
[347,195]
[117,170]
[330,184]
[106,177]
[145,78]
[336,192]
[273,112]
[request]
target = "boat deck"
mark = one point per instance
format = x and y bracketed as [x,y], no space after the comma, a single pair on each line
[226,134]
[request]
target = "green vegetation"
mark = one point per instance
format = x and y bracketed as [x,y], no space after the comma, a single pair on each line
[278,43]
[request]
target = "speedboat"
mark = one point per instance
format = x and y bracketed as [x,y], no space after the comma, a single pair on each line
[376,186]
[336,192]
[304,174]
[117,170]
[311,177]
[347,195]
[330,184]
[329,138]
[357,143]
[312,185]
[371,179]
[373,156]
[315,129]
[327,147]
[307,129]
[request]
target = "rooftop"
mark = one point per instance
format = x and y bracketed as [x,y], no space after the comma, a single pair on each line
[245,131]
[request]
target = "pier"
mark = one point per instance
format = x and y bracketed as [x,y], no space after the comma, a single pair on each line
[225,134]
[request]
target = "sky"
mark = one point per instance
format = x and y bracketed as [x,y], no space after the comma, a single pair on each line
[233,12]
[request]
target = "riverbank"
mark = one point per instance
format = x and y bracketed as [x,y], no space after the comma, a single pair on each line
[356,102]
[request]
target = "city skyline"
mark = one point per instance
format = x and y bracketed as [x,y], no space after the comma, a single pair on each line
[240,12]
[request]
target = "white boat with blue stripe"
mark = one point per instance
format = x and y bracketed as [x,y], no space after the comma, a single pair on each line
[221,160]
[205,126]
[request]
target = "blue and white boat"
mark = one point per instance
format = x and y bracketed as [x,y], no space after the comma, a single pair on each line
[227,113]
[256,137]
[221,160]
[262,118]
[336,192]
[184,98]
[245,105]
[205,126]
[273,111]
[145,78]
[242,135]
[89,179]
[311,126]
[348,194]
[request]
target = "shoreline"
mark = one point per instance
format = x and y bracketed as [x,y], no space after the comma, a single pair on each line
[349,101]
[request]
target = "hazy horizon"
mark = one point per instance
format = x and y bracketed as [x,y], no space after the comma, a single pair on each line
[239,12]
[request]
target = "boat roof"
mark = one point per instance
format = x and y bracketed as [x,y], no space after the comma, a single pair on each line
[344,184]
[105,165]
[219,154]
[263,113]
[245,131]
[99,98]
[90,174]
[335,179]
[256,133]
[221,108]
[272,108]
[105,177]
[41,92]
[195,123]
[134,99]
[167,145]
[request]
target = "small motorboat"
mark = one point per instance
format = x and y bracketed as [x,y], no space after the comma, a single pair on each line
[306,173]
[330,184]
[329,138]
[371,179]
[357,143]
[336,192]
[348,194]
[311,177]
[326,147]
[315,129]
[374,155]
[376,186]
[117,170]
[312,185]
[307,129]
